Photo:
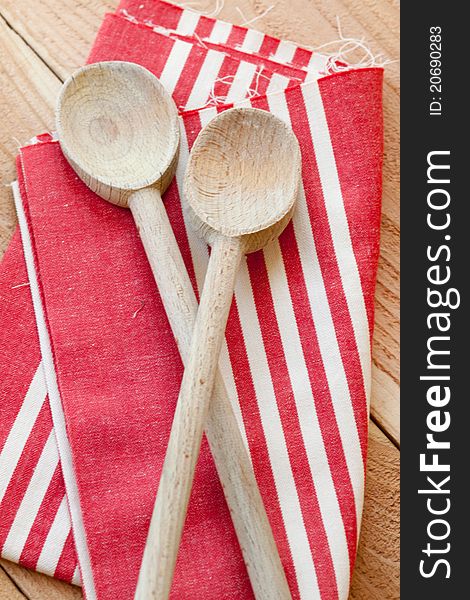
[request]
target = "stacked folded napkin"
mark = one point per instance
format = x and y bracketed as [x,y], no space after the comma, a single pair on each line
[90,383]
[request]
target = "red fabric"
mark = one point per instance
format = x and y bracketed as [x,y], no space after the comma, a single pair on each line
[17,319]
[124,366]
[361,180]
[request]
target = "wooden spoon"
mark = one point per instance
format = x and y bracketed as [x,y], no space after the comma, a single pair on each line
[241,184]
[119,130]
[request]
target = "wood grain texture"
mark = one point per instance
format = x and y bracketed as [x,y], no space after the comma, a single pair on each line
[27,94]
[61,33]
[118,127]
[36,586]
[233,188]
[379,545]
[8,589]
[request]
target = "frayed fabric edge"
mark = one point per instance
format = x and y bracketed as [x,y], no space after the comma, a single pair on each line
[337,60]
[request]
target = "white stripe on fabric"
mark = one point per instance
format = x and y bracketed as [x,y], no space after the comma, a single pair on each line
[277,84]
[252,41]
[326,334]
[307,414]
[275,440]
[330,352]
[198,248]
[241,82]
[175,64]
[188,22]
[32,499]
[317,66]
[21,428]
[76,579]
[225,368]
[339,226]
[205,80]
[220,32]
[55,402]
[284,52]
[55,540]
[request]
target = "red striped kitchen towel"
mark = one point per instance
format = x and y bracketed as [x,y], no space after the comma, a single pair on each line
[297,357]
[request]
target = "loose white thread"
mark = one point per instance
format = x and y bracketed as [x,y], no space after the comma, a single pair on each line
[125,13]
[201,43]
[254,19]
[227,80]
[142,304]
[20,285]
[339,61]
[192,6]
[148,23]
[17,142]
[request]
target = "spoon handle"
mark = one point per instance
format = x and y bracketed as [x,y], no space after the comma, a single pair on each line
[193,403]
[227,446]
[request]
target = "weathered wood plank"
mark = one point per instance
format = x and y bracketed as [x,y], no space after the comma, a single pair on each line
[28,91]
[8,590]
[377,571]
[37,586]
[60,32]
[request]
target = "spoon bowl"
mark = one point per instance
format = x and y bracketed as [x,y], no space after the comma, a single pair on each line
[243,177]
[118,127]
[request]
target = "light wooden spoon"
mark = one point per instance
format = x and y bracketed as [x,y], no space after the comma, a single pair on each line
[241,184]
[119,130]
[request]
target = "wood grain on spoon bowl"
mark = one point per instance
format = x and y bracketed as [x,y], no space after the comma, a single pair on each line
[118,127]
[243,177]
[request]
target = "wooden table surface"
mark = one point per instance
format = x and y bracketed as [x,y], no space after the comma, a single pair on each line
[42,42]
